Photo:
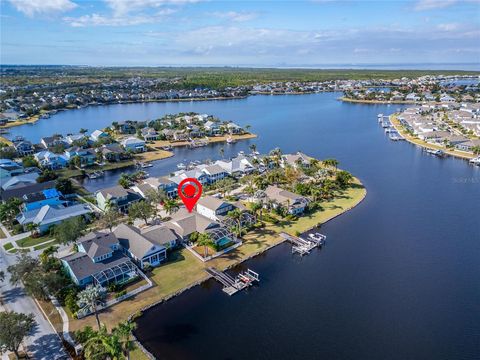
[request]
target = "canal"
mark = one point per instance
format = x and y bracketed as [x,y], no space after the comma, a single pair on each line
[398,278]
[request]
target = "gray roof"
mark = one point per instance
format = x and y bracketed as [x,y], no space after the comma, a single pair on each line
[20,180]
[159,234]
[185,223]
[280,195]
[211,202]
[24,189]
[114,192]
[83,266]
[131,238]
[98,243]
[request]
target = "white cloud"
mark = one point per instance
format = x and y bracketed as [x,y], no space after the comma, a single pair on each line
[117,20]
[448,27]
[235,16]
[128,12]
[433,4]
[122,7]
[42,7]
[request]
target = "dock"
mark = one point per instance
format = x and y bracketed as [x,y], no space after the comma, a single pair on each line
[233,285]
[303,246]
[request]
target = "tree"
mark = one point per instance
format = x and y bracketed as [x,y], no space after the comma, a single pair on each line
[69,230]
[99,345]
[110,218]
[9,210]
[332,163]
[124,332]
[2,276]
[65,186]
[46,175]
[124,181]
[33,228]
[253,148]
[14,327]
[256,207]
[29,161]
[90,298]
[156,197]
[141,210]
[222,152]
[236,215]
[83,131]
[343,179]
[170,206]
[476,150]
[205,240]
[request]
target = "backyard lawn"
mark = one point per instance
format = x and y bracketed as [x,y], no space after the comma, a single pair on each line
[184,270]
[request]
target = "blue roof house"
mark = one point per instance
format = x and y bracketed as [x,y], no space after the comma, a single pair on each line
[41,198]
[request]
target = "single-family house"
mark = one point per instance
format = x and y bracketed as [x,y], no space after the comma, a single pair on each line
[9,168]
[51,141]
[99,261]
[116,196]
[98,135]
[19,181]
[468,145]
[87,156]
[295,160]
[134,144]
[50,160]
[295,204]
[48,215]
[234,128]
[212,127]
[142,250]
[213,208]
[163,183]
[19,189]
[113,152]
[161,235]
[149,134]
[24,148]
[41,198]
[214,173]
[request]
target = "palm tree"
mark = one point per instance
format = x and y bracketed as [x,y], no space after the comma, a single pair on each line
[222,152]
[247,127]
[90,298]
[102,345]
[314,163]
[205,240]
[236,215]
[124,331]
[331,163]
[170,206]
[256,207]
[33,227]
[253,148]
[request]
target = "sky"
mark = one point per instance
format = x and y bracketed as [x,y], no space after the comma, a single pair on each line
[298,33]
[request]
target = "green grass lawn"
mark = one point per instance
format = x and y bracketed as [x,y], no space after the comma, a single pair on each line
[31,241]
[2,234]
[8,246]
[44,246]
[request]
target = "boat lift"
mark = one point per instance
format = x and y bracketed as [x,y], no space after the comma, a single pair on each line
[303,246]
[232,285]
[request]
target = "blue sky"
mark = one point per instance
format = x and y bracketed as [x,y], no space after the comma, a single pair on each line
[245,33]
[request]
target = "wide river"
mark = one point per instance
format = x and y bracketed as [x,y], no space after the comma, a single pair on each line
[398,279]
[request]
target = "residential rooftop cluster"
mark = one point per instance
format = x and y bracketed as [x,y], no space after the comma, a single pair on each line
[452,125]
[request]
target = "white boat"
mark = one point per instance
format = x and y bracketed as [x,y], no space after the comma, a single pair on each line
[181,166]
[435,152]
[241,153]
[255,153]
[230,140]
[145,165]
[317,237]
[475,161]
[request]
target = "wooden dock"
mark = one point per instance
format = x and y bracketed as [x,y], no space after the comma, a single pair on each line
[233,285]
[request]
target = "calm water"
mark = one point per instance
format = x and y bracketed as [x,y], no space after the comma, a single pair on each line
[398,279]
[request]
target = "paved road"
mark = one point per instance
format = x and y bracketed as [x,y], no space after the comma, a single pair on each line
[44,342]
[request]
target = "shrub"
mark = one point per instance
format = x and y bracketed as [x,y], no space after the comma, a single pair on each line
[120,293]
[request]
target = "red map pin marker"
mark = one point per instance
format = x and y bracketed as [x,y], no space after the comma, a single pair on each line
[189,191]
